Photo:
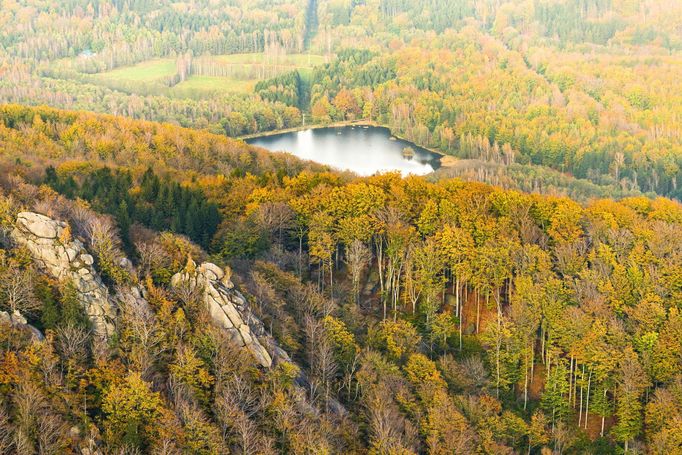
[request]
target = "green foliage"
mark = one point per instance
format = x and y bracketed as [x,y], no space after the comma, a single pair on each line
[131,411]
[242,240]
[555,396]
[288,89]
[562,308]
[397,339]
[71,312]
[50,313]
[345,345]
[190,370]
[159,204]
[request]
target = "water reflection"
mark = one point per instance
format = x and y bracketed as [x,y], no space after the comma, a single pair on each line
[363,150]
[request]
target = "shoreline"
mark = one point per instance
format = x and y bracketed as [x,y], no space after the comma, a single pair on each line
[445,160]
[313,126]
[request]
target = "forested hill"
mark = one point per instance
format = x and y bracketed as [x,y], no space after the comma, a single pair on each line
[48,135]
[405,316]
[493,100]
[557,89]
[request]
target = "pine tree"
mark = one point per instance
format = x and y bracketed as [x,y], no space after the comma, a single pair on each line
[72,313]
[555,397]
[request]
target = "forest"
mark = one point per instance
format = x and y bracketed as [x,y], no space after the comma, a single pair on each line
[426,317]
[166,288]
[586,88]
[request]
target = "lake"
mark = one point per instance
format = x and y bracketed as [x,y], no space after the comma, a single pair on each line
[364,150]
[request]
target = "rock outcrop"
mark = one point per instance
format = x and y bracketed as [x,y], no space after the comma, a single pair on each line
[66,259]
[227,306]
[16,319]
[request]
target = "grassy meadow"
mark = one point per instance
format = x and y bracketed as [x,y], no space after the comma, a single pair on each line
[212,75]
[149,71]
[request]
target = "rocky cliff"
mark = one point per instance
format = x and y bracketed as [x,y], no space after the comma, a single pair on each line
[65,258]
[227,306]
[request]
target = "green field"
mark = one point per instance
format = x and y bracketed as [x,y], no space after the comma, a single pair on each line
[149,71]
[237,73]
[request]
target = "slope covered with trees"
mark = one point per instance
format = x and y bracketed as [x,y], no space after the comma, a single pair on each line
[611,120]
[60,54]
[428,317]
[588,88]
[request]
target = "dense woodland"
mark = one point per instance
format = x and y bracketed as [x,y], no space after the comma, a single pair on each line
[587,88]
[53,61]
[619,130]
[445,317]
[421,315]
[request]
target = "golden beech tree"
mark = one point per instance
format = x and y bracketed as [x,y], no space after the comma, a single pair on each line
[132,411]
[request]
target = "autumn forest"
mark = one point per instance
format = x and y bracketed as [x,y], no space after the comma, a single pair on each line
[167,288]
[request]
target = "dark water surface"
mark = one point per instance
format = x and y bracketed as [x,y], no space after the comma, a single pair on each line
[363,150]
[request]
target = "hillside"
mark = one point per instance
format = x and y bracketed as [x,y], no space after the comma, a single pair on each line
[172,291]
[583,95]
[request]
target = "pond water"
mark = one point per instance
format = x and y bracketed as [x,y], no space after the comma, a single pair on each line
[364,150]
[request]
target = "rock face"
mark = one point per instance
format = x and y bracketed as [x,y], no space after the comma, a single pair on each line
[16,319]
[227,307]
[66,259]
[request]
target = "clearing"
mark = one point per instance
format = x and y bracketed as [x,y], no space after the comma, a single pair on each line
[211,75]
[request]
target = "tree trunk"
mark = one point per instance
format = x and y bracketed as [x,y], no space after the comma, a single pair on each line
[460,313]
[525,386]
[580,412]
[380,267]
[336,257]
[498,301]
[603,417]
[300,256]
[570,380]
[542,343]
[478,309]
[587,405]
[331,279]
[509,291]
[445,287]
[575,382]
[396,296]
[497,358]
[456,291]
